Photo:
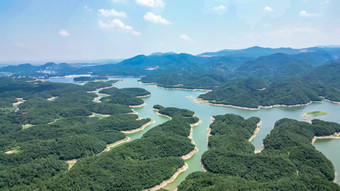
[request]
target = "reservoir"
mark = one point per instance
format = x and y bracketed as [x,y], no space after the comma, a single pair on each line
[184,99]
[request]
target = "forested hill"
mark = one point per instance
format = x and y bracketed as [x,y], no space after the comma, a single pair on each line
[288,162]
[219,64]
[138,165]
[318,83]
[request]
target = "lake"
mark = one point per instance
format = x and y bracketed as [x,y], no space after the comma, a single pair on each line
[183,99]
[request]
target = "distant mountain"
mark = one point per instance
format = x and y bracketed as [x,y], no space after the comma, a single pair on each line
[273,66]
[49,68]
[206,70]
[254,52]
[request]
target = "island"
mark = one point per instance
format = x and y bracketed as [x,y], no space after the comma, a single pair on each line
[287,162]
[314,114]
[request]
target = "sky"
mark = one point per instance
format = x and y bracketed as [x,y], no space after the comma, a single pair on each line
[74,30]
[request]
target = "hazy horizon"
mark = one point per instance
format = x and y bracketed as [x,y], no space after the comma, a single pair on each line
[99,60]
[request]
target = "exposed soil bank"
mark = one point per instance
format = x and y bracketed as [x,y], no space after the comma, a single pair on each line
[173,178]
[255,132]
[139,129]
[197,100]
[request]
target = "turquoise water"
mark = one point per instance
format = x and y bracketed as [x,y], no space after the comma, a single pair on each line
[182,99]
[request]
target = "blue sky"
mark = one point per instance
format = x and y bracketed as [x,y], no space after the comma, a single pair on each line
[66,30]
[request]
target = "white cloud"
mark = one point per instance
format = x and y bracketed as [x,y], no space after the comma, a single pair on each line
[304,13]
[184,37]
[64,33]
[269,9]
[87,8]
[118,25]
[151,3]
[151,17]
[111,13]
[220,8]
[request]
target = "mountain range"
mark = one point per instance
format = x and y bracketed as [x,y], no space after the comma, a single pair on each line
[302,75]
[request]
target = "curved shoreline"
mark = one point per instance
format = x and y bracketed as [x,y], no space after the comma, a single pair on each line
[108,147]
[139,129]
[334,136]
[155,85]
[255,132]
[168,181]
[253,109]
[138,106]
[143,96]
[163,115]
[189,155]
[196,124]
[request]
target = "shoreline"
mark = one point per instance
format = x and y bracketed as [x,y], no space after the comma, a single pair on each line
[196,124]
[109,146]
[145,96]
[155,85]
[255,132]
[257,151]
[335,177]
[336,102]
[334,136]
[163,115]
[203,168]
[189,155]
[168,181]
[138,106]
[252,109]
[139,129]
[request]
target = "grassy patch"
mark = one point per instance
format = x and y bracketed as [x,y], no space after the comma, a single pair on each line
[316,113]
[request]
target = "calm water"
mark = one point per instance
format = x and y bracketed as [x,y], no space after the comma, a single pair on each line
[181,99]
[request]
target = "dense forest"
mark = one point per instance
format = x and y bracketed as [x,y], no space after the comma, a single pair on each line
[137,165]
[321,82]
[288,162]
[43,124]
[127,96]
